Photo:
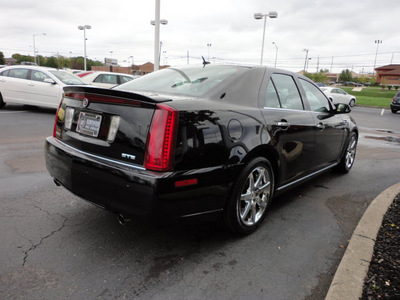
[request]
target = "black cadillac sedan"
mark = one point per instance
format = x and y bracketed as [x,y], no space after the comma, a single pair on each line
[212,142]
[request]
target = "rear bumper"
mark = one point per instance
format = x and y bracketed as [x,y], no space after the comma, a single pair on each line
[123,188]
[395,106]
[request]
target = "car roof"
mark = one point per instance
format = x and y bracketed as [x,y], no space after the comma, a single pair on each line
[31,67]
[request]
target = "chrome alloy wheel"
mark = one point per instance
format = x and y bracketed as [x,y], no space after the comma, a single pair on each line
[255,196]
[351,152]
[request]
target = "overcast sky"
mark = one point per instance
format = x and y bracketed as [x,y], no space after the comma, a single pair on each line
[341,32]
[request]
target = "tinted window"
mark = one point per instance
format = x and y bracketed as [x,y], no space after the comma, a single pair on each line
[125,79]
[106,78]
[287,91]
[18,73]
[4,73]
[315,97]
[271,97]
[38,76]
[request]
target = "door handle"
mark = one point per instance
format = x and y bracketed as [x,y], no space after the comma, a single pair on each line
[283,124]
[320,126]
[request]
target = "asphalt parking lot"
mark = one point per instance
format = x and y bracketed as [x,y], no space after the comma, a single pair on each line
[56,246]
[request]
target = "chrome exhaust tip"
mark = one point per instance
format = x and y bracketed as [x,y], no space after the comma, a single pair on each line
[123,219]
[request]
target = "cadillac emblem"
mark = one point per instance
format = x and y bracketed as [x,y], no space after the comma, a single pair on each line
[85,102]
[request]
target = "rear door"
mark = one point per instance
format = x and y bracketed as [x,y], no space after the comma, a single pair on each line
[290,126]
[14,85]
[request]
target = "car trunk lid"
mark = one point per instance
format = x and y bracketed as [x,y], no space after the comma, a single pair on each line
[107,123]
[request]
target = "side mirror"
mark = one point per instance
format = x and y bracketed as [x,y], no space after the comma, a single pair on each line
[49,80]
[342,108]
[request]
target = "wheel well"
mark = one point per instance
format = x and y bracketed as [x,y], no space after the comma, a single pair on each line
[266,152]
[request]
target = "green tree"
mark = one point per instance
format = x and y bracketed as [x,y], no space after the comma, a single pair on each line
[2,61]
[345,75]
[51,62]
[308,75]
[320,77]
[20,58]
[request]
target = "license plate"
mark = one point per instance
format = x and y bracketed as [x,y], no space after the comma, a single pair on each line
[89,124]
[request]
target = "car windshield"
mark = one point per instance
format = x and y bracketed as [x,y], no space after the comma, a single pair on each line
[190,81]
[68,78]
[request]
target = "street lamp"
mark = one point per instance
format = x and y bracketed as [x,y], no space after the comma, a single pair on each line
[259,16]
[305,60]
[377,42]
[156,23]
[276,52]
[34,48]
[84,40]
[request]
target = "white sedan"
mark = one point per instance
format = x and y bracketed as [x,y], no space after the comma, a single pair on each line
[33,85]
[106,79]
[337,95]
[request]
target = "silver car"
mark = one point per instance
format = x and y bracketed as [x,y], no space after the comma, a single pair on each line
[33,85]
[337,95]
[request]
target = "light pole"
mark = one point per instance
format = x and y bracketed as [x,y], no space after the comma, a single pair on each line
[208,46]
[259,16]
[305,60]
[84,27]
[276,53]
[377,42]
[34,47]
[157,23]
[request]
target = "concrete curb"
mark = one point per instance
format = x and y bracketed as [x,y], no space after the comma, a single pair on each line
[349,278]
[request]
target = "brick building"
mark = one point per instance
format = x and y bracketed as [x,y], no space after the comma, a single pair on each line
[388,75]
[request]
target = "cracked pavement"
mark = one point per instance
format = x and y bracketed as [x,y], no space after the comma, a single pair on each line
[57,246]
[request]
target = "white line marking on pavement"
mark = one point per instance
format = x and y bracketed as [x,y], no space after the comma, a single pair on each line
[383,110]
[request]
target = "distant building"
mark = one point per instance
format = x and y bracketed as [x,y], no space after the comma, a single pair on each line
[388,75]
[10,61]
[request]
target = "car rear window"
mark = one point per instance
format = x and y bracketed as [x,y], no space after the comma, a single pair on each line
[183,81]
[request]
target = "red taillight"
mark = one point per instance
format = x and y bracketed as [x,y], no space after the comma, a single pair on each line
[55,121]
[160,148]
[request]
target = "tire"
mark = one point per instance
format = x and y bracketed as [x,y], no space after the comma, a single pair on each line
[251,197]
[352,102]
[394,111]
[347,161]
[2,104]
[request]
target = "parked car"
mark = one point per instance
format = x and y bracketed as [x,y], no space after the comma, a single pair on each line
[198,142]
[106,79]
[320,84]
[337,95]
[395,105]
[32,85]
